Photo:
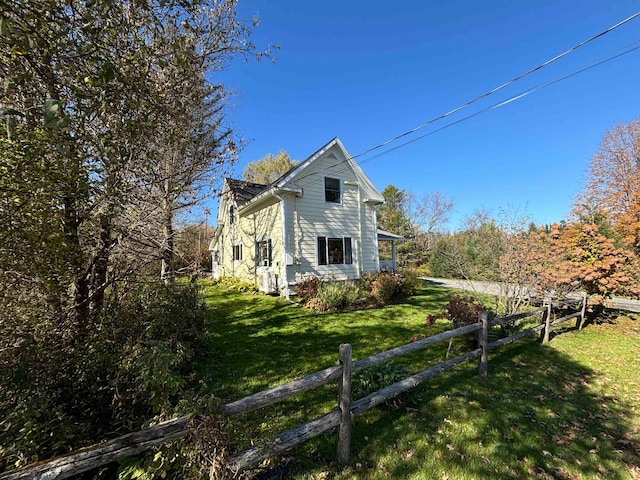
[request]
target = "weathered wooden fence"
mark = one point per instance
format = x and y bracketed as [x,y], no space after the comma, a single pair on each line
[341,417]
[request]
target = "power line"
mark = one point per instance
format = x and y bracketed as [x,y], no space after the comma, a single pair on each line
[486,109]
[486,94]
[500,87]
[507,101]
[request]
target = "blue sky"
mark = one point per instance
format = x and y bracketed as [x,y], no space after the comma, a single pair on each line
[369,74]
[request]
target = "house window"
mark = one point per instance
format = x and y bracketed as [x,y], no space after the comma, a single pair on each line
[334,251]
[232,215]
[332,192]
[264,252]
[237,252]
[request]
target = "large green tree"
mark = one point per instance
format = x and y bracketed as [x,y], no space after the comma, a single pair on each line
[114,119]
[392,214]
[269,168]
[122,98]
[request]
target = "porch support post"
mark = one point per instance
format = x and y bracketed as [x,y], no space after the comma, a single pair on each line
[393,255]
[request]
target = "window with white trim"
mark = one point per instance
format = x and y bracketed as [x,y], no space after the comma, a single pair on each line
[232,215]
[264,253]
[237,252]
[332,190]
[335,251]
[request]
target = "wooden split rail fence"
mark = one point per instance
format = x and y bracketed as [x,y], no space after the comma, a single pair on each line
[341,417]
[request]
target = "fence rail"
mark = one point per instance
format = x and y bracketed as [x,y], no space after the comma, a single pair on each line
[104,453]
[341,417]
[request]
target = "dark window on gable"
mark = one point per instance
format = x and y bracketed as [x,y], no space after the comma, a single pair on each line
[332,192]
[335,251]
[232,215]
[237,252]
[264,252]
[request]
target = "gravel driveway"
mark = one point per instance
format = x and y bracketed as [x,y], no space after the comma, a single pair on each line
[493,288]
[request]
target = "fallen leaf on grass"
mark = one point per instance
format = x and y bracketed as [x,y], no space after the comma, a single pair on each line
[562,475]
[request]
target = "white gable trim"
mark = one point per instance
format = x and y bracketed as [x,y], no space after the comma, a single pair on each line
[296,171]
[373,195]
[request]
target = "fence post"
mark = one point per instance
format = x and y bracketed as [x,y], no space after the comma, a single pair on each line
[547,322]
[483,342]
[583,312]
[344,403]
[542,319]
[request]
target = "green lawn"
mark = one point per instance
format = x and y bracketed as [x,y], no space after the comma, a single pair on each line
[567,410]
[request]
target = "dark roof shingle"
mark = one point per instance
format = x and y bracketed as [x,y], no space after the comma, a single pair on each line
[245,191]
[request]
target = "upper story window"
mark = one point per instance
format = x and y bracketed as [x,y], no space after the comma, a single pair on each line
[332,190]
[232,214]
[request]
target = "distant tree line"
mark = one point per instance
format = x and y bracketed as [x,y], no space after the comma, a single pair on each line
[596,249]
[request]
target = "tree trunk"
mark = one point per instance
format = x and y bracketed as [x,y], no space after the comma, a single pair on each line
[80,288]
[100,267]
[81,312]
[166,269]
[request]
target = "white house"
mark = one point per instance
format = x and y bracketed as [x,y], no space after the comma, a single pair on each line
[319,219]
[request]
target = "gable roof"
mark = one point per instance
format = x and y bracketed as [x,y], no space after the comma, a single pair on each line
[287,181]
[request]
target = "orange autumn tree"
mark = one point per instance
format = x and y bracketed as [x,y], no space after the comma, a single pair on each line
[580,257]
[613,186]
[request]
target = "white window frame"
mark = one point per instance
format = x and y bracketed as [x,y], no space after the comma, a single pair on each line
[326,250]
[237,258]
[324,190]
[260,262]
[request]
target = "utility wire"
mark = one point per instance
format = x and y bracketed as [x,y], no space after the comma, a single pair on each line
[499,104]
[485,95]
[629,49]
[502,103]
[500,87]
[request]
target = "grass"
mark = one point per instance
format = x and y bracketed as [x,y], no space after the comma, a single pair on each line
[569,409]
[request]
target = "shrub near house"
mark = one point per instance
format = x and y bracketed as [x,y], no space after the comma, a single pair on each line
[372,289]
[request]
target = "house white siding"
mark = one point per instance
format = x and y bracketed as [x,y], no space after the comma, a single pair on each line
[369,238]
[247,230]
[292,215]
[311,216]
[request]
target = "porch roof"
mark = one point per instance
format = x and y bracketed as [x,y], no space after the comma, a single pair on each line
[388,236]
